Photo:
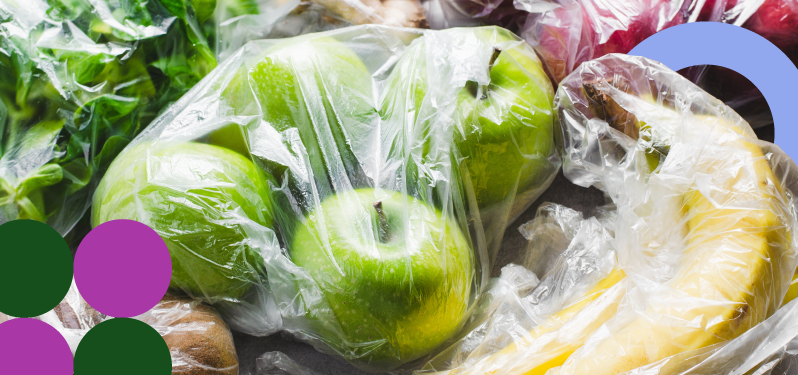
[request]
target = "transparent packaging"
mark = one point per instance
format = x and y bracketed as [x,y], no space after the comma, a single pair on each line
[706,215]
[701,229]
[567,33]
[341,186]
[580,289]
[199,341]
[79,80]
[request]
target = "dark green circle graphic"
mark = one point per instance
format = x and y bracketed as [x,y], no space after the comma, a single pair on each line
[122,346]
[35,270]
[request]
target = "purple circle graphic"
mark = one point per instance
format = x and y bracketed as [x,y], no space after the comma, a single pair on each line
[122,268]
[30,346]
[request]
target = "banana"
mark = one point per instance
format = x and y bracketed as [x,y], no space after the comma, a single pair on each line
[729,279]
[792,293]
[549,344]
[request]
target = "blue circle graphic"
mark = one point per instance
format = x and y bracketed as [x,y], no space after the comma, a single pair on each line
[741,50]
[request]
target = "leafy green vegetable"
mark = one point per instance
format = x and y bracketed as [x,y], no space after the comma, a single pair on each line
[77,83]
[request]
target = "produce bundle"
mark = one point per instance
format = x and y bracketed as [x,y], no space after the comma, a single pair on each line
[349,187]
[78,80]
[567,33]
[690,272]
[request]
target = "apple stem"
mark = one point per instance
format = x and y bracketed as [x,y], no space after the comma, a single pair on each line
[383,229]
[481,91]
[493,57]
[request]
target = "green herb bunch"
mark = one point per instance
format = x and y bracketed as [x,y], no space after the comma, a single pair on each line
[78,80]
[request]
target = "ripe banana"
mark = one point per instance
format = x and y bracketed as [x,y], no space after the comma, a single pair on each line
[549,344]
[730,278]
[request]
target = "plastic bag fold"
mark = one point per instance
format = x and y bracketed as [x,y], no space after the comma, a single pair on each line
[699,238]
[313,168]
[705,211]
[79,81]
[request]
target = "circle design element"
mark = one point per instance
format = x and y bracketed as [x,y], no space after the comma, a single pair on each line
[31,346]
[123,268]
[35,268]
[123,346]
[738,49]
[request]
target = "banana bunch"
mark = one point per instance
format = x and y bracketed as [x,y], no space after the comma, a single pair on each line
[705,235]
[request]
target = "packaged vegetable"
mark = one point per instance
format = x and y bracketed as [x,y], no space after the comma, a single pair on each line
[342,186]
[79,80]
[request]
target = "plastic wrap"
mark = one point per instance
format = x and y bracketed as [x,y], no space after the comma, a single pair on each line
[443,14]
[241,21]
[567,33]
[199,341]
[703,229]
[776,21]
[277,363]
[534,326]
[342,186]
[705,222]
[79,80]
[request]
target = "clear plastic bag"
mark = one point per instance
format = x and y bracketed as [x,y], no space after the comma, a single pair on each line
[199,341]
[706,219]
[532,326]
[79,80]
[703,228]
[241,21]
[277,363]
[370,138]
[567,33]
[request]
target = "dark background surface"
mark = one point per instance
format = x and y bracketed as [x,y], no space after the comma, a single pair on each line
[561,191]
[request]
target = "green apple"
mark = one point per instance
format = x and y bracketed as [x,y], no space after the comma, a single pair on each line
[396,272]
[314,84]
[505,129]
[204,201]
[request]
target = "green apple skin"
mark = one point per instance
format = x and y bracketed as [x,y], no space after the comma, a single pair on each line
[396,299]
[193,195]
[506,133]
[320,87]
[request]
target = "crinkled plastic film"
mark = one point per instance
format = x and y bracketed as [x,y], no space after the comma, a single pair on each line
[705,213]
[277,363]
[199,341]
[377,139]
[79,80]
[701,226]
[534,326]
[567,33]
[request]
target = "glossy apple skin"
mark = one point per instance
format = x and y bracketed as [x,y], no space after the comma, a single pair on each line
[320,87]
[204,201]
[507,137]
[394,301]
[504,131]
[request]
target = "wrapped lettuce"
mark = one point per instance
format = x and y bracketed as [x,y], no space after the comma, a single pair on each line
[78,80]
